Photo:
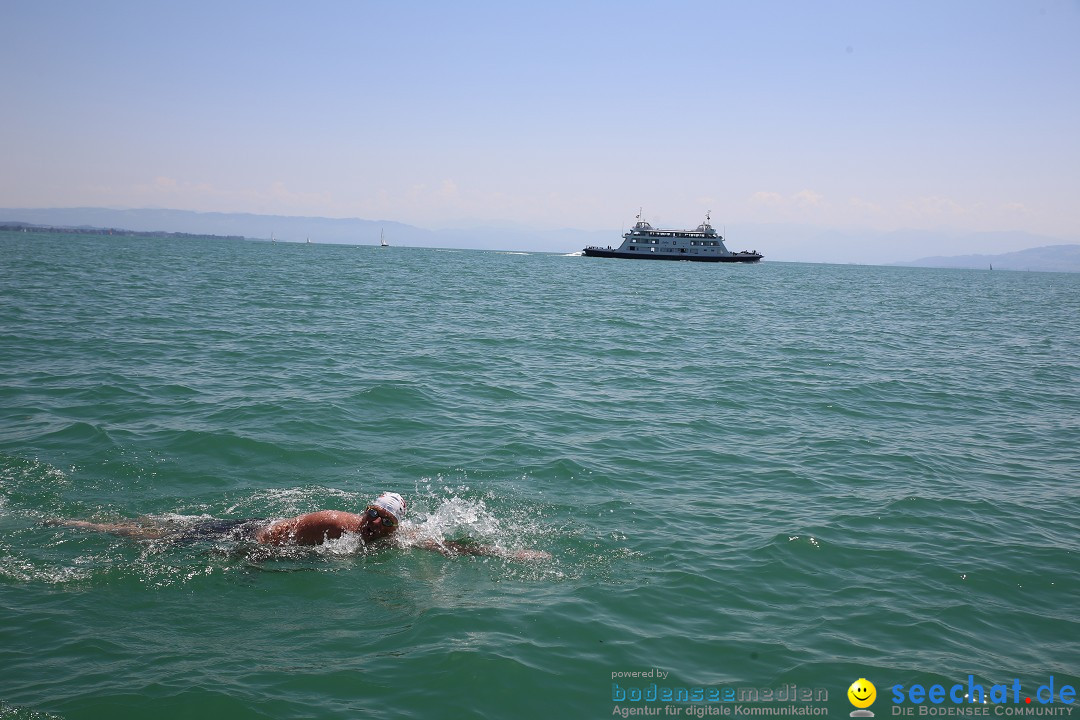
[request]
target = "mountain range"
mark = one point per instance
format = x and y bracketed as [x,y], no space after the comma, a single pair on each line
[777,241]
[1050,258]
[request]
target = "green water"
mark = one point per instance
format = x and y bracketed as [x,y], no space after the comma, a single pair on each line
[748,476]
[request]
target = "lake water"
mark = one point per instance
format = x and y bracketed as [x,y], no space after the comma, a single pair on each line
[748,476]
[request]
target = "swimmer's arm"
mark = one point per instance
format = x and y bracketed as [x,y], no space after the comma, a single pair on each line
[311,529]
[452,548]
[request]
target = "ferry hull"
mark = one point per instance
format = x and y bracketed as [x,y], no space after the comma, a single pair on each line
[735,257]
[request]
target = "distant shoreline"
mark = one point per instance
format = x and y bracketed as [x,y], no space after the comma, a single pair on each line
[118,232]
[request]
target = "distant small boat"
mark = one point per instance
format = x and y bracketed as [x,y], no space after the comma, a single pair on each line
[309,241]
[382,240]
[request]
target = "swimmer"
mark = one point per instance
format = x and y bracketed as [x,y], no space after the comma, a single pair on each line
[380,519]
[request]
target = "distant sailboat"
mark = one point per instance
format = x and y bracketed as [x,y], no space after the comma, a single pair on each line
[382,240]
[309,241]
[272,238]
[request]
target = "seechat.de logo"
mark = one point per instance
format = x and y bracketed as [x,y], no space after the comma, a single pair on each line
[862,694]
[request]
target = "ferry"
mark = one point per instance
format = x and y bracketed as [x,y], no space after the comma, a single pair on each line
[644,242]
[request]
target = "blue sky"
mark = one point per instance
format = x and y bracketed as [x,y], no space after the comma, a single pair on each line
[878,115]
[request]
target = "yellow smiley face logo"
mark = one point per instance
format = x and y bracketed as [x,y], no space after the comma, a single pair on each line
[862,693]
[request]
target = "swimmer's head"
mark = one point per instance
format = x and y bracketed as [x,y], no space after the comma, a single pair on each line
[391,503]
[383,516]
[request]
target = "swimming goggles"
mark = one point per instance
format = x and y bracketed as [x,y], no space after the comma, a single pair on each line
[386,521]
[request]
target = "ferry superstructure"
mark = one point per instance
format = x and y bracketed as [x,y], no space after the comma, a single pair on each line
[644,242]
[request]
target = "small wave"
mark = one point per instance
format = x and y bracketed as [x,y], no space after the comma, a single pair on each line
[80,433]
[30,484]
[286,502]
[404,395]
[455,517]
[24,570]
[13,712]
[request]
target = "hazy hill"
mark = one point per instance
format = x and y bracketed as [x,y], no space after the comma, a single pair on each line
[352,231]
[349,231]
[1050,258]
[869,247]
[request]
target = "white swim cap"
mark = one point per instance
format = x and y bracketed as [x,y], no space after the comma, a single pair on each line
[392,503]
